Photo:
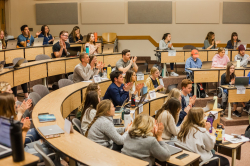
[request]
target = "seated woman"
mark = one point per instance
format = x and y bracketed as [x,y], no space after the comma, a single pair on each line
[152,82]
[169,116]
[194,134]
[90,42]
[210,42]
[228,78]
[144,140]
[131,77]
[175,93]
[2,39]
[75,35]
[47,37]
[232,44]
[220,59]
[89,110]
[102,130]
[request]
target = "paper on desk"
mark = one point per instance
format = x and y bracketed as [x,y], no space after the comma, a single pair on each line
[233,140]
[241,90]
[161,82]
[68,126]
[172,53]
[87,81]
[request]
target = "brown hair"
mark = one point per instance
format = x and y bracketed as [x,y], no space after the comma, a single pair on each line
[128,76]
[62,32]
[221,49]
[173,106]
[209,38]
[228,76]
[7,105]
[3,40]
[124,52]
[4,86]
[91,57]
[232,38]
[81,55]
[88,38]
[185,82]
[102,110]
[194,117]
[153,70]
[73,32]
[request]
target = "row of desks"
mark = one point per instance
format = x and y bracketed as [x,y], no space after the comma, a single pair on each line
[41,69]
[30,53]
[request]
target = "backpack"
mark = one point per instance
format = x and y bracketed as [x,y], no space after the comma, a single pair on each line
[247,132]
[200,91]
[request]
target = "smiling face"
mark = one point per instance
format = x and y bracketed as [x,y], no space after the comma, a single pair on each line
[92,37]
[133,77]
[187,89]
[85,58]
[126,57]
[235,38]
[119,80]
[156,74]
[1,35]
[64,36]
[46,29]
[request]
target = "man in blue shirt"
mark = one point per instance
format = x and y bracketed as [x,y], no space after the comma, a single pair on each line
[193,61]
[25,39]
[117,91]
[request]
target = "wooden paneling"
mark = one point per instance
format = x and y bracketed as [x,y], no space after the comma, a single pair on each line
[239,73]
[104,86]
[70,65]
[156,105]
[21,76]
[48,50]
[145,110]
[210,55]
[38,71]
[8,77]
[234,53]
[202,55]
[31,53]
[71,103]
[2,56]
[99,58]
[56,68]
[111,59]
[169,59]
[234,97]
[12,54]
[246,72]
[205,76]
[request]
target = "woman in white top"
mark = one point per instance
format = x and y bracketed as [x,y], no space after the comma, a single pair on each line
[194,134]
[131,77]
[169,116]
[90,42]
[89,110]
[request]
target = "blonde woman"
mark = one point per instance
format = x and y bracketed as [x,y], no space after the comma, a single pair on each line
[169,116]
[2,39]
[175,93]
[194,134]
[145,140]
[220,59]
[102,130]
[152,82]
[131,77]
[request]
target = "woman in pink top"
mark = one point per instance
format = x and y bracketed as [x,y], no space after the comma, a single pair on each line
[220,59]
[93,47]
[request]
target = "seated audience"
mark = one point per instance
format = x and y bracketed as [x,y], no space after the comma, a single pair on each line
[94,57]
[75,35]
[244,58]
[228,78]
[193,61]
[25,39]
[117,91]
[125,63]
[175,93]
[84,71]
[168,115]
[232,44]
[47,37]
[90,42]
[102,130]
[144,140]
[220,59]
[152,82]
[187,100]
[210,42]
[60,48]
[165,44]
[2,38]
[89,110]
[131,77]
[194,134]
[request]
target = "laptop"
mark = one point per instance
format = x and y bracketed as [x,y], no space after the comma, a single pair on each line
[5,143]
[108,48]
[84,39]
[142,69]
[38,41]
[241,81]
[173,149]
[209,106]
[11,44]
[120,109]
[206,65]
[18,64]
[50,130]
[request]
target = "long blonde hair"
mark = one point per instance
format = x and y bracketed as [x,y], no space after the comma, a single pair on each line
[153,70]
[142,126]
[102,110]
[174,93]
[4,86]
[194,118]
[3,40]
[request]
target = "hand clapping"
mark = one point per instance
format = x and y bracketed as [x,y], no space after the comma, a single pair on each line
[127,86]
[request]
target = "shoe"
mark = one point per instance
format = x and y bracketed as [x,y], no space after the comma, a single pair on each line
[174,74]
[245,109]
[236,113]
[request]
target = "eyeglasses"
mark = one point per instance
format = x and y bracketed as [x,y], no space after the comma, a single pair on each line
[65,35]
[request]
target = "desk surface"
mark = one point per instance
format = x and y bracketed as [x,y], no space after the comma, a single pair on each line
[29,160]
[212,69]
[229,87]
[186,161]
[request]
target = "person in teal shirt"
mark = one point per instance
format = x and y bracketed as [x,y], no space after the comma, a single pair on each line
[25,39]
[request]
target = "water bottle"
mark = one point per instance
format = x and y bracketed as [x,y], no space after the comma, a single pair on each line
[109,71]
[16,141]
[1,45]
[210,119]
[104,73]
[218,134]
[87,50]
[144,89]
[133,100]
[127,117]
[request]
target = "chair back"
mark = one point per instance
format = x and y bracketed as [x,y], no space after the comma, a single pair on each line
[189,47]
[109,38]
[47,160]
[35,97]
[70,77]
[76,122]
[42,57]
[41,90]
[64,82]
[15,60]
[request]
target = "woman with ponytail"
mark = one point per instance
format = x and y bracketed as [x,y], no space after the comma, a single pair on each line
[102,130]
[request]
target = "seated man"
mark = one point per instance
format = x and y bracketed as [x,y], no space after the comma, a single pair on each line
[193,61]
[117,91]
[187,101]
[25,39]
[84,71]
[60,48]
[125,63]
[244,58]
